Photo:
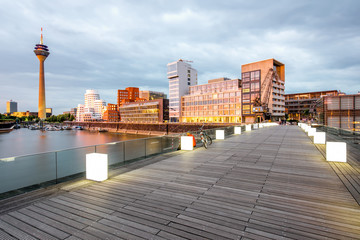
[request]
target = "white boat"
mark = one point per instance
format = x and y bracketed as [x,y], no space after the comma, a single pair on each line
[6,130]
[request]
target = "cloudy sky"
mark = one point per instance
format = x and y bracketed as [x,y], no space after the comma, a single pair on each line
[109,45]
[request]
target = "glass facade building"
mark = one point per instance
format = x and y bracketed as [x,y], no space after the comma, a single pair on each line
[153,111]
[218,101]
[342,111]
[301,106]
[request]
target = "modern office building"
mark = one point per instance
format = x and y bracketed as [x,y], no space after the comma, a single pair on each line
[11,106]
[151,95]
[93,108]
[181,76]
[130,94]
[342,111]
[42,52]
[263,86]
[153,111]
[111,113]
[218,101]
[300,106]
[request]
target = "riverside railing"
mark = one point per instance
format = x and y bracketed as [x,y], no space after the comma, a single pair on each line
[42,169]
[351,137]
[24,173]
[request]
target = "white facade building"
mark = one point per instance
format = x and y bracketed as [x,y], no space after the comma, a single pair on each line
[181,76]
[93,109]
[79,113]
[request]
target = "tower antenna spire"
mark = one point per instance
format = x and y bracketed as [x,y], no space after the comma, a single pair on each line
[41,39]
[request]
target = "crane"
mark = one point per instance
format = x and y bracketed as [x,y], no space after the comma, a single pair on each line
[261,104]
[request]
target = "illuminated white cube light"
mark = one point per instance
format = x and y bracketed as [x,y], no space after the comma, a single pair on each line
[97,166]
[187,143]
[261,125]
[248,128]
[319,138]
[336,151]
[237,130]
[220,134]
[311,132]
[256,126]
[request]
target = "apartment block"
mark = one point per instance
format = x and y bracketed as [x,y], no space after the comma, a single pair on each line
[181,76]
[300,106]
[127,95]
[153,111]
[218,101]
[263,89]
[111,114]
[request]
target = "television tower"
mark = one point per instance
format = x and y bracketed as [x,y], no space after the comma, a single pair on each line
[41,52]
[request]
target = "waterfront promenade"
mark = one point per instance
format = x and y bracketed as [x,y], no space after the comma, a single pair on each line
[271,183]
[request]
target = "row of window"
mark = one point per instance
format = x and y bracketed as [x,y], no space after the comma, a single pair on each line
[212,107]
[251,76]
[227,85]
[210,102]
[212,113]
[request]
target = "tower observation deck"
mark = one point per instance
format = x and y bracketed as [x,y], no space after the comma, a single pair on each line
[42,52]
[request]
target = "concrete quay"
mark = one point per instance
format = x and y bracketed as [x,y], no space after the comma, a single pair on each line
[271,183]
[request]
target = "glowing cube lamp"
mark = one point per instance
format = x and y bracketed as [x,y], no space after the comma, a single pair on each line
[248,128]
[311,132]
[97,166]
[336,151]
[187,143]
[237,130]
[256,126]
[319,138]
[220,134]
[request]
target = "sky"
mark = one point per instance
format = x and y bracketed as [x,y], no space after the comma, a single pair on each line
[113,44]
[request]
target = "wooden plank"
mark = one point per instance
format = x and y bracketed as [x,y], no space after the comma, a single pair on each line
[5,236]
[79,207]
[69,213]
[13,231]
[46,228]
[63,224]
[26,228]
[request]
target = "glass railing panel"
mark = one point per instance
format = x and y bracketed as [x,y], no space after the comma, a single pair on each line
[135,149]
[170,143]
[229,131]
[153,146]
[24,171]
[114,150]
[72,161]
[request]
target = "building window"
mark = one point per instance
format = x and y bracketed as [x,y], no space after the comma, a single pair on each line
[255,87]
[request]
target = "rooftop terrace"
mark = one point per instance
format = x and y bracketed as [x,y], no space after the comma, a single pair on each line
[272,183]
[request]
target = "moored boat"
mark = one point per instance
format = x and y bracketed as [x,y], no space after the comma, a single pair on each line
[6,130]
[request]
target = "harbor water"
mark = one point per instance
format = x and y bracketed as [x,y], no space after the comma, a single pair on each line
[23,141]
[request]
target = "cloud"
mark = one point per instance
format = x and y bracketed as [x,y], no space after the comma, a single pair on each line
[116,44]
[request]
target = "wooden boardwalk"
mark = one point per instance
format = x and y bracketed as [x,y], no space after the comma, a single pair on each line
[266,184]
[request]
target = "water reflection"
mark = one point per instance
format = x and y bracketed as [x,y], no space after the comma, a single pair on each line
[24,141]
